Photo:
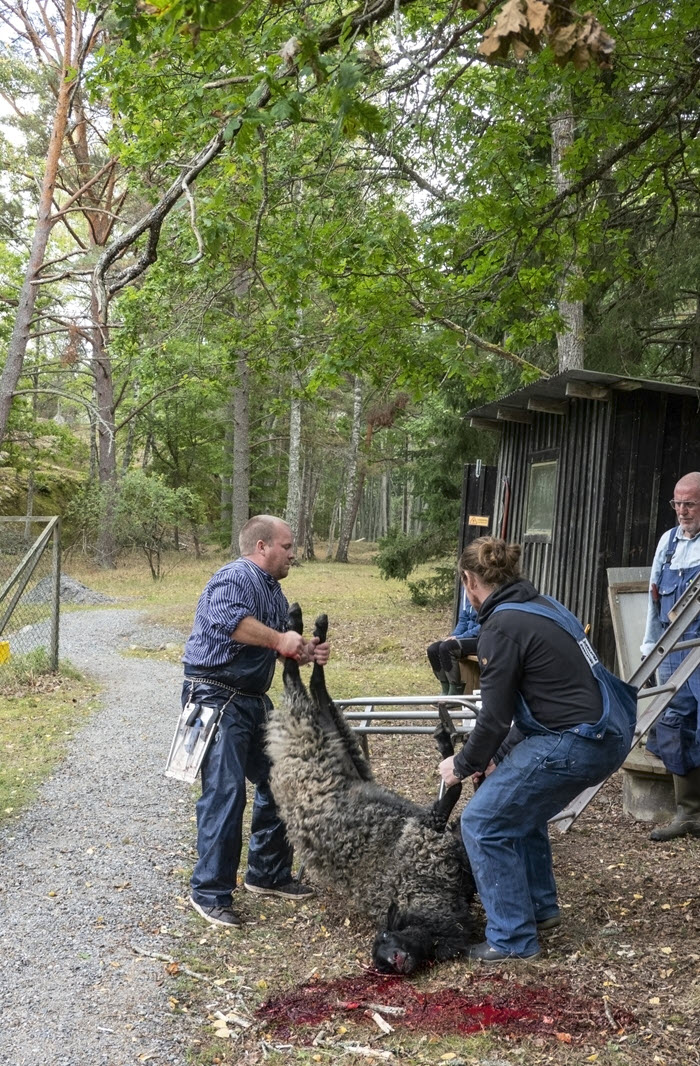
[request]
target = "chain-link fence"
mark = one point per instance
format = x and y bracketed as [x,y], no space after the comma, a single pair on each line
[30,573]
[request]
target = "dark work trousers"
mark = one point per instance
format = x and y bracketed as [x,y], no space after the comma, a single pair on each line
[236,753]
[444,656]
[676,737]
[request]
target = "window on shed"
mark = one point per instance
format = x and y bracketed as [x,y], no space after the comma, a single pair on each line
[540,499]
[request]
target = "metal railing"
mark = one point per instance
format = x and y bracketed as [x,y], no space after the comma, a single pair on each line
[30,578]
[462,710]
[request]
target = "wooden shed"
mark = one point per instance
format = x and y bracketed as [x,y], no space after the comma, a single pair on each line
[586,467]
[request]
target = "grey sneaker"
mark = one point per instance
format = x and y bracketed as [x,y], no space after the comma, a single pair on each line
[485,953]
[217,915]
[293,890]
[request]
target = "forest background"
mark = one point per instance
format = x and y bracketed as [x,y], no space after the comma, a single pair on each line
[264,256]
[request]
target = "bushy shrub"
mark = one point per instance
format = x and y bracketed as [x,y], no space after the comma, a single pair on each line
[143,511]
[399,554]
[147,513]
[435,591]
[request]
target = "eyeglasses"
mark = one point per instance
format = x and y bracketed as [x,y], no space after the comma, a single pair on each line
[689,505]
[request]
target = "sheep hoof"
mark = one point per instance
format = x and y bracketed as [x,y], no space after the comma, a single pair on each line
[321,628]
[295,619]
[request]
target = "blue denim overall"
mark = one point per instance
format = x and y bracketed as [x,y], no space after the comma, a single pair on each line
[504,825]
[676,736]
[236,753]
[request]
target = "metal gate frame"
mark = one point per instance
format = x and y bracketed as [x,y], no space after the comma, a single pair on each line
[15,585]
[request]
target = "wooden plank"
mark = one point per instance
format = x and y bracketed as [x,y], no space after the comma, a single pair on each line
[514,414]
[582,391]
[484,423]
[547,407]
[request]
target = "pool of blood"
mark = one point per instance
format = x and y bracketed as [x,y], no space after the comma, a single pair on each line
[488,1001]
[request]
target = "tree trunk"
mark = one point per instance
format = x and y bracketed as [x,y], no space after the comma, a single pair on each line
[331,528]
[695,345]
[384,512]
[226,486]
[101,365]
[291,512]
[352,499]
[313,481]
[302,512]
[17,348]
[570,342]
[240,502]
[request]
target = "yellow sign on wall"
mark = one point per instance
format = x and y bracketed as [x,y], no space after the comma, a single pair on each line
[479,520]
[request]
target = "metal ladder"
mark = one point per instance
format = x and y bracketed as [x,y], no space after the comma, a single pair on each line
[683,613]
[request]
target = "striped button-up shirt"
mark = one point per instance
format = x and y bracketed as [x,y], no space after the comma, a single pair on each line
[239,590]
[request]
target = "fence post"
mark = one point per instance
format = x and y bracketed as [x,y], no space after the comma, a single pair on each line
[55,592]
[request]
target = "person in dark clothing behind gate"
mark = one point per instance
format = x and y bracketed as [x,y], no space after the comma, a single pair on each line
[444,655]
[676,738]
[240,628]
[553,722]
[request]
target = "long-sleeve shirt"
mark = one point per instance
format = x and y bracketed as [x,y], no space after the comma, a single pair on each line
[468,622]
[532,655]
[239,590]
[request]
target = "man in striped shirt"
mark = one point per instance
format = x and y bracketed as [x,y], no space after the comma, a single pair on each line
[240,628]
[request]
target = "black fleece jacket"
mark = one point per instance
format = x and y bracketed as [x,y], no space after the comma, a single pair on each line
[525,653]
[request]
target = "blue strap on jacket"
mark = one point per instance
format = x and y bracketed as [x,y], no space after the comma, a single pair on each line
[619,698]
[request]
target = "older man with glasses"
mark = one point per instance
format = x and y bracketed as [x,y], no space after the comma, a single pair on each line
[676,738]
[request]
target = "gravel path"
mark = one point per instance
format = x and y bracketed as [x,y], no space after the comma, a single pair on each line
[91,876]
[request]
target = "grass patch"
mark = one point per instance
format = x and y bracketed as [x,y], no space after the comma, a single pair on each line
[378,635]
[39,714]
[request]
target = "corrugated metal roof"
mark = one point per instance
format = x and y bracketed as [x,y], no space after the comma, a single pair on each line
[553,389]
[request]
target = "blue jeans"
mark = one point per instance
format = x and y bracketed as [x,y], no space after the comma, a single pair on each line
[236,753]
[676,736]
[504,828]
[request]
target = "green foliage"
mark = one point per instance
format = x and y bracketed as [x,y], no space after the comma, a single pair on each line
[435,591]
[148,512]
[24,670]
[82,517]
[362,220]
[400,554]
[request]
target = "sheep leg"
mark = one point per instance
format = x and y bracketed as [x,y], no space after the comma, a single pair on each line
[295,618]
[439,813]
[444,733]
[317,685]
[330,718]
[291,677]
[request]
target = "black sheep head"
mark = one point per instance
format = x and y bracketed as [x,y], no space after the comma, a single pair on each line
[402,947]
[409,941]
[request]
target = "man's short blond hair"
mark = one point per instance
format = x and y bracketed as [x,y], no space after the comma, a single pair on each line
[261,527]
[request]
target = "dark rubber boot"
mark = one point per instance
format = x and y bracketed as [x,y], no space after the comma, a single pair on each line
[444,683]
[686,821]
[455,690]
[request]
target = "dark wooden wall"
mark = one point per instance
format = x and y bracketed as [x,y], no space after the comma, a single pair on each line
[654,440]
[618,462]
[562,567]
